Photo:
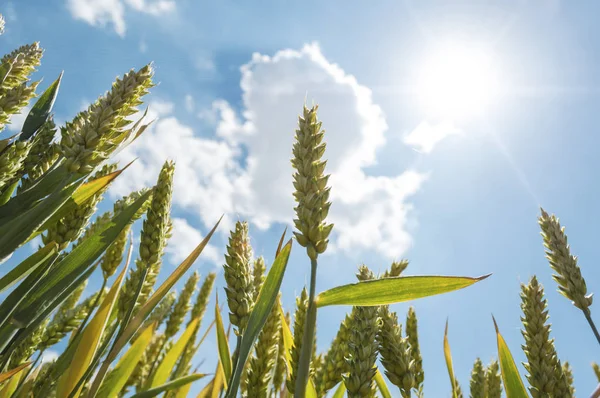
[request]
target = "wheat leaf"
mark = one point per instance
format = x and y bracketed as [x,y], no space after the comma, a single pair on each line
[392,290]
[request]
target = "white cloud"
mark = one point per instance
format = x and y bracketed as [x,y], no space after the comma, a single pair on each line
[16,121]
[105,12]
[426,136]
[184,240]
[49,356]
[244,170]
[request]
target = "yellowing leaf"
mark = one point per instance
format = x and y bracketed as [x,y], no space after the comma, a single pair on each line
[117,378]
[8,374]
[166,366]
[340,391]
[183,391]
[513,384]
[288,337]
[145,309]
[382,385]
[393,290]
[222,344]
[218,382]
[448,357]
[207,390]
[89,342]
[288,343]
[9,388]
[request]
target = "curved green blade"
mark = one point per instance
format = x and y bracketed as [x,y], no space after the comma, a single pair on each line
[393,290]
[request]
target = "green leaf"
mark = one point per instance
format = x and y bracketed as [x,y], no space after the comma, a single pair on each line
[28,265]
[265,301]
[89,342]
[40,111]
[340,391]
[222,343]
[116,379]
[172,385]
[513,384]
[392,290]
[448,357]
[146,308]
[54,179]
[19,228]
[168,363]
[82,194]
[382,385]
[8,191]
[74,264]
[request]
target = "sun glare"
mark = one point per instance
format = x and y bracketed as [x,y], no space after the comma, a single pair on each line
[457,82]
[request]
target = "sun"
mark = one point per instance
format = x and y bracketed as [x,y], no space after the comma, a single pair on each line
[457,82]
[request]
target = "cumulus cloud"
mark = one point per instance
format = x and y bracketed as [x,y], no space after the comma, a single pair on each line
[184,240]
[426,135]
[112,12]
[241,168]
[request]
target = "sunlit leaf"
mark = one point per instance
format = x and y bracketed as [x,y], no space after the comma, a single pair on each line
[79,260]
[382,385]
[206,391]
[222,343]
[146,308]
[288,343]
[28,265]
[260,312]
[340,391]
[90,341]
[8,374]
[9,388]
[80,196]
[172,385]
[168,363]
[41,110]
[448,357]
[392,290]
[116,379]
[513,384]
[218,382]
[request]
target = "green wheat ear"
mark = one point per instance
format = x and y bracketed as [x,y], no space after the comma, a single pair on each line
[71,226]
[182,306]
[568,372]
[545,373]
[12,159]
[395,352]
[156,231]
[263,362]
[415,352]
[96,132]
[299,322]
[477,384]
[568,275]
[23,62]
[362,347]
[238,276]
[310,183]
[493,381]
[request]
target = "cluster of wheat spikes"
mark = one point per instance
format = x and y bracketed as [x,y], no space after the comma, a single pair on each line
[132,338]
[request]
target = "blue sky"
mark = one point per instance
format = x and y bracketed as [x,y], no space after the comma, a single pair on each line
[233,77]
